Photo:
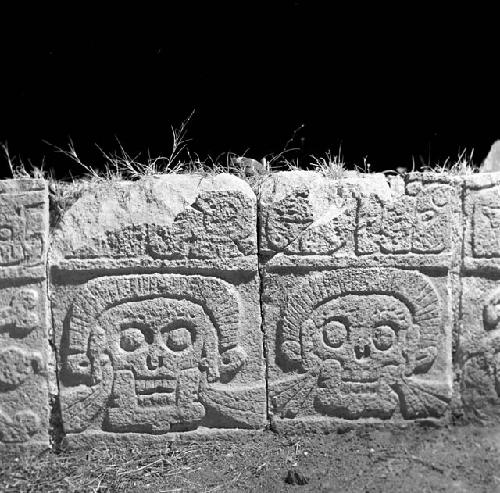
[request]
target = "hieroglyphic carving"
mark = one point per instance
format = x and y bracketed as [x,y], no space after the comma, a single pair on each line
[478,328]
[20,317]
[359,219]
[215,225]
[486,223]
[23,371]
[17,365]
[418,222]
[23,332]
[23,225]
[19,428]
[149,353]
[362,343]
[289,224]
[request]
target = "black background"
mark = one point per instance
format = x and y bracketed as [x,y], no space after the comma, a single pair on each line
[393,84]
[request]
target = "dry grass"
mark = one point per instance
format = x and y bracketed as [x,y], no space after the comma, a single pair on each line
[19,169]
[411,459]
[128,468]
[463,165]
[121,165]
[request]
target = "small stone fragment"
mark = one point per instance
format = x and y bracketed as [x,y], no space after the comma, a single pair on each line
[296,477]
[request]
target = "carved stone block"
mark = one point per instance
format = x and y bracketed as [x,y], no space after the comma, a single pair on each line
[357,344]
[479,328]
[169,221]
[360,220]
[24,349]
[482,223]
[158,331]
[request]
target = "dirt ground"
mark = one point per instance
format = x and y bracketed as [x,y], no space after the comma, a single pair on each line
[415,459]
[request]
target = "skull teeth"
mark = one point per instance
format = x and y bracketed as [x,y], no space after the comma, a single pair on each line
[156,385]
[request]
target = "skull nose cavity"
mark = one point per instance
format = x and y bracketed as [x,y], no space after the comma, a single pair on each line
[362,350]
[154,362]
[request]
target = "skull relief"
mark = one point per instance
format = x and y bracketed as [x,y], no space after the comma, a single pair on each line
[159,350]
[362,343]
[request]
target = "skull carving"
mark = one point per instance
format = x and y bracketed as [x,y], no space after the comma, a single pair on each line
[159,349]
[139,351]
[362,343]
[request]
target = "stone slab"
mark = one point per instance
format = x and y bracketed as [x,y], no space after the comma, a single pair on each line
[179,221]
[24,348]
[482,223]
[369,344]
[479,347]
[308,219]
[154,349]
[359,275]
[479,327]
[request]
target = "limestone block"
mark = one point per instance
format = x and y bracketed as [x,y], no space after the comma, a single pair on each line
[24,349]
[163,221]
[358,276]
[357,344]
[482,223]
[492,162]
[479,330]
[159,332]
[360,220]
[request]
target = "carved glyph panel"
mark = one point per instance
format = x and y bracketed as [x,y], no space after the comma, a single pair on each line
[172,220]
[419,222]
[23,225]
[482,224]
[360,220]
[24,397]
[155,353]
[358,343]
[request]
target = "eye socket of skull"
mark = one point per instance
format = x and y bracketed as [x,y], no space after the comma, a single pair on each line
[179,336]
[492,310]
[159,336]
[335,333]
[383,337]
[132,338]
[357,329]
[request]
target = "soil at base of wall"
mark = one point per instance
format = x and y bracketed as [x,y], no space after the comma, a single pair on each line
[415,459]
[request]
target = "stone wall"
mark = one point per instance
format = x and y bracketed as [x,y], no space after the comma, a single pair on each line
[190,304]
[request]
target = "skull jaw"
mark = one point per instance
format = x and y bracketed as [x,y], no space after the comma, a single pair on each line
[161,419]
[375,400]
[177,410]
[354,395]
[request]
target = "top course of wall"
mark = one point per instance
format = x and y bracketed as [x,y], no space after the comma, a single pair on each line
[174,220]
[360,220]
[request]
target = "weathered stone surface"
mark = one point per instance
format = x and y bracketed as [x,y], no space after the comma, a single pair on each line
[176,345]
[308,219]
[24,350]
[163,221]
[479,329]
[358,343]
[479,347]
[492,162]
[482,223]
[348,334]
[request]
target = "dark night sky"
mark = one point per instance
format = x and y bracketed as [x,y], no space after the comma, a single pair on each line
[419,84]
